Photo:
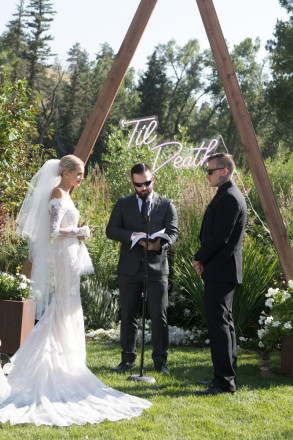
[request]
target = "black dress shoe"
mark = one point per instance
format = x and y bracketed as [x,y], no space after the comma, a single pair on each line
[124,366]
[213,391]
[161,368]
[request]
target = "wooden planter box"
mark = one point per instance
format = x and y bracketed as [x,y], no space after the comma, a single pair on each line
[17,318]
[287,355]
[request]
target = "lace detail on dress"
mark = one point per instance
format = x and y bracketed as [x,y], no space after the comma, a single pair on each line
[63,218]
[63,221]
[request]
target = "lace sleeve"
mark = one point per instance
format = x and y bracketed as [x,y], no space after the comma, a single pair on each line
[57,209]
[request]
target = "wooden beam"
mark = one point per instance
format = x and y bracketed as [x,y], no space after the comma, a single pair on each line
[247,135]
[114,79]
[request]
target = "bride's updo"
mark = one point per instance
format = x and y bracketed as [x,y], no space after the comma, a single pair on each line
[69,163]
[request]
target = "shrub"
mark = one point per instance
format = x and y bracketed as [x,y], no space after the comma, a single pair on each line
[14,288]
[20,157]
[100,304]
[260,267]
[278,319]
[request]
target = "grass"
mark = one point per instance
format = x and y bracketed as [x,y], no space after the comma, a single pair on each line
[261,409]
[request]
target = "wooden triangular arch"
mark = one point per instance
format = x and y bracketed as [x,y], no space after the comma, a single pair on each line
[238,108]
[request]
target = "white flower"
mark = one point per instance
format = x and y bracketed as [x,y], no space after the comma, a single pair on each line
[286,295]
[276,324]
[22,286]
[261,319]
[260,344]
[242,338]
[186,312]
[269,302]
[261,332]
[207,341]
[268,320]
[287,325]
[272,292]
[290,284]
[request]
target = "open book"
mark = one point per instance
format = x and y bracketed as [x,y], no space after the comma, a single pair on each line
[153,237]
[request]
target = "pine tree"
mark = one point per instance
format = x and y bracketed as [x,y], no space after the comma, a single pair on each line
[15,44]
[39,15]
[154,89]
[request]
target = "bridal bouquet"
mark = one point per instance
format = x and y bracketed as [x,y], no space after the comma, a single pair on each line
[14,288]
[278,321]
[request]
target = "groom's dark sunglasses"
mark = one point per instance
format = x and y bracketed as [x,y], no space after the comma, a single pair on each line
[140,185]
[211,170]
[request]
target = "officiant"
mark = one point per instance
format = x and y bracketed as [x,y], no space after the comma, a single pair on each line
[128,219]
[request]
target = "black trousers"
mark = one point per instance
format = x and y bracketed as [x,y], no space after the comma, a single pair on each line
[218,301]
[131,288]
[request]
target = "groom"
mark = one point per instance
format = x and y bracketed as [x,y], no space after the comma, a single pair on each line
[219,261]
[128,220]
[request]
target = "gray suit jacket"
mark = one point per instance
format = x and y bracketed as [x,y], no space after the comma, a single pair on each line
[126,219]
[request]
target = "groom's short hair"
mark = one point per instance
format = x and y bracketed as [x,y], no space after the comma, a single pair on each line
[224,160]
[140,168]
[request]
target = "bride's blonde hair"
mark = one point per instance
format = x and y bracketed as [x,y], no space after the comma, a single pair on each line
[69,163]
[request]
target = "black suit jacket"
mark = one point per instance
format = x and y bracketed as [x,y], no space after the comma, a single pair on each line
[221,235]
[126,219]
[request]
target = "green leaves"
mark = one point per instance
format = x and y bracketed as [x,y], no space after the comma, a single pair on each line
[14,288]
[260,265]
[278,319]
[20,157]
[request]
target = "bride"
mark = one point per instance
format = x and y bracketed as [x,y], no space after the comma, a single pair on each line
[48,381]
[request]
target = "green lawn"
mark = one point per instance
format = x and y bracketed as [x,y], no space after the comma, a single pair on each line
[261,409]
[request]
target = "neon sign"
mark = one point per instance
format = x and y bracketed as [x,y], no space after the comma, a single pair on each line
[144,134]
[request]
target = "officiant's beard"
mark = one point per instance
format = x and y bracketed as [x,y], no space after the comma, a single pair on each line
[145,192]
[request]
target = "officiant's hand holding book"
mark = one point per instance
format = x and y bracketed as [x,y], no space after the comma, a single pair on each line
[153,239]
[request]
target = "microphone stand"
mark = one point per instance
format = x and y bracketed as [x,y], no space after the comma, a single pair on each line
[141,377]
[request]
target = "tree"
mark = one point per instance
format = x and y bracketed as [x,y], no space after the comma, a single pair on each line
[72,101]
[280,87]
[20,157]
[184,66]
[40,15]
[14,43]
[125,104]
[154,89]
[215,116]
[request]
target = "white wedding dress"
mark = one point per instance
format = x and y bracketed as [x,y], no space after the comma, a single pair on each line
[48,381]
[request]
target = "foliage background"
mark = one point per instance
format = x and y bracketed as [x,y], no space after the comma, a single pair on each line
[43,109]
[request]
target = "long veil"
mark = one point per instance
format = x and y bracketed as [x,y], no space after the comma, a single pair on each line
[34,225]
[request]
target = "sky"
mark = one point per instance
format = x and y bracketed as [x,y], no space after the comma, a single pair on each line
[93,22]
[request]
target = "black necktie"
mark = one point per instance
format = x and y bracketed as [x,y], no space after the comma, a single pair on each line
[144,208]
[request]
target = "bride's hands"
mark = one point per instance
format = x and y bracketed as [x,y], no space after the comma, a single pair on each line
[84,233]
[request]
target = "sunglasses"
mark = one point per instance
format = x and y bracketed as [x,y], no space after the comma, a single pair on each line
[211,170]
[140,185]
